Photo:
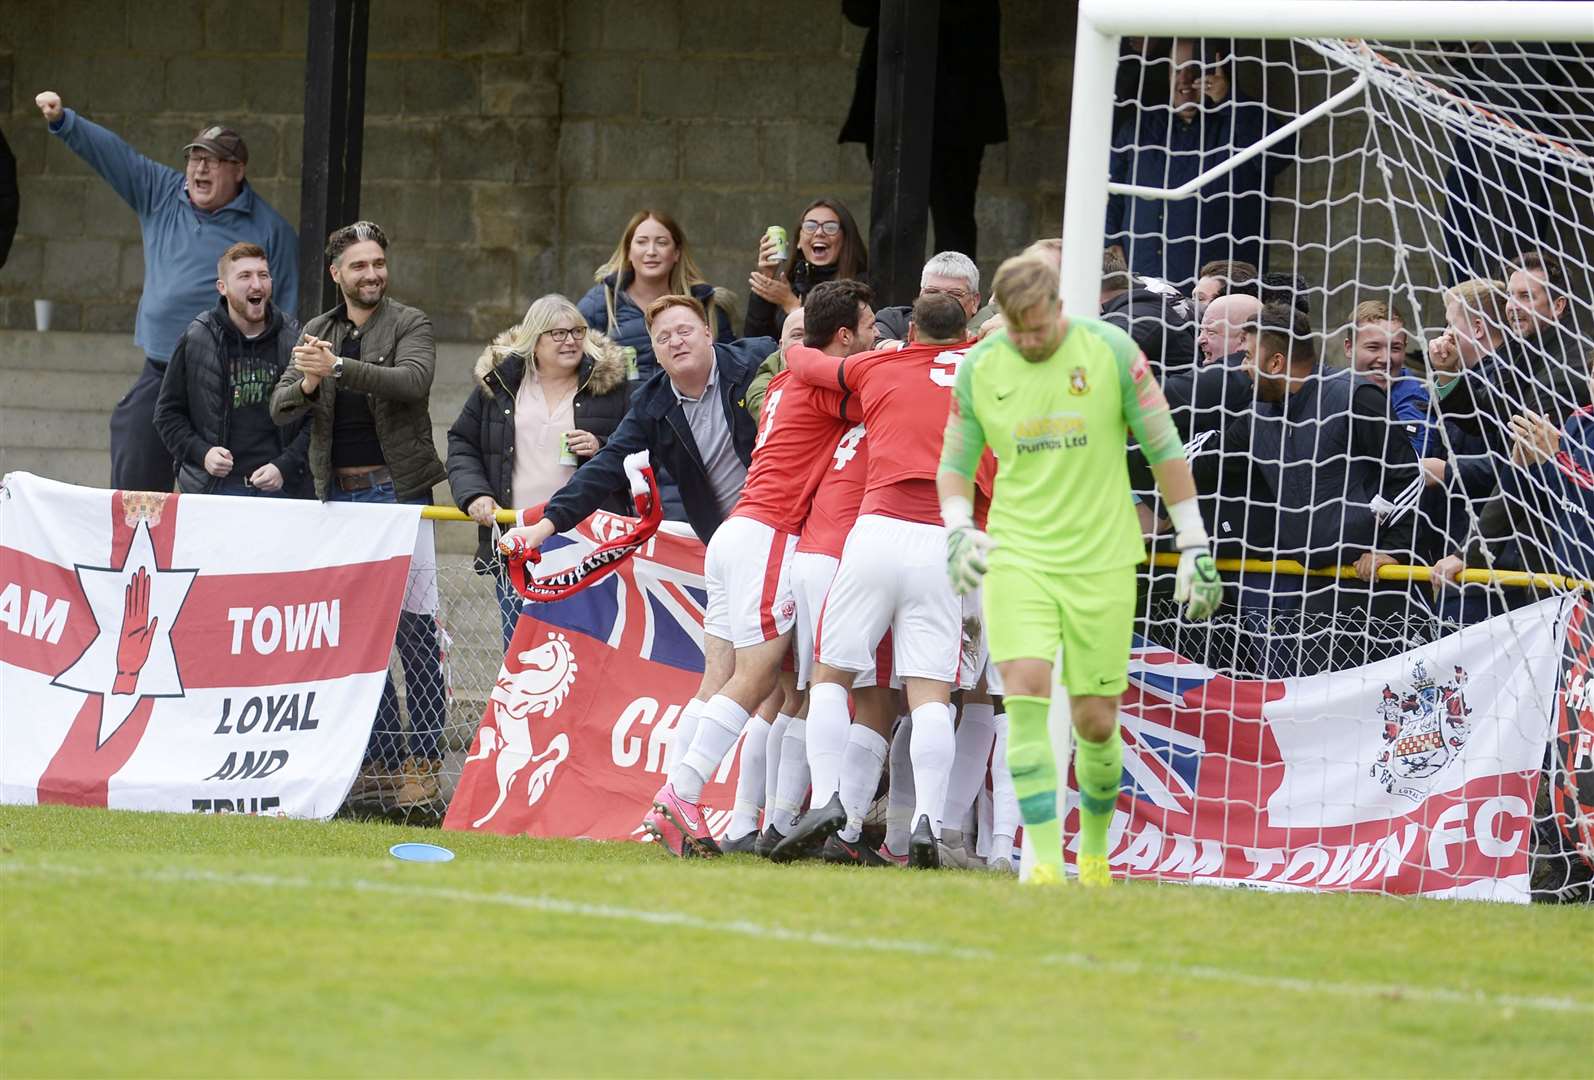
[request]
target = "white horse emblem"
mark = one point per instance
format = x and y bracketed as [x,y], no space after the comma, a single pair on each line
[536,681]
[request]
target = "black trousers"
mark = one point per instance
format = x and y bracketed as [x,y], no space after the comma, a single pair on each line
[139,460]
[954,180]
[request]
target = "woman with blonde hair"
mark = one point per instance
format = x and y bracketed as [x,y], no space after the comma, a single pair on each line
[650,261]
[549,392]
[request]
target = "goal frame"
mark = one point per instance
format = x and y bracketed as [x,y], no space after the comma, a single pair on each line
[1103,22]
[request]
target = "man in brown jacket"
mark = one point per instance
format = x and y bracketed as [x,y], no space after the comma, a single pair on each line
[364,374]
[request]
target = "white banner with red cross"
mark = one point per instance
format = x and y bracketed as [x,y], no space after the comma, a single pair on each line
[190,652]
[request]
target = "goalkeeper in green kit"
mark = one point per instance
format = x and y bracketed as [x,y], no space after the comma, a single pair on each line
[1053,398]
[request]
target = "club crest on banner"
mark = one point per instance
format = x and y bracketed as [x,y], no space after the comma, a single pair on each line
[534,682]
[1425,728]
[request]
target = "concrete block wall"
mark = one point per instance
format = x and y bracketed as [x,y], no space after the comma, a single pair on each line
[462,104]
[507,141]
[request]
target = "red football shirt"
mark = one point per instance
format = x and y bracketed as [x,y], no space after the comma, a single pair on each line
[905,395]
[838,497]
[797,432]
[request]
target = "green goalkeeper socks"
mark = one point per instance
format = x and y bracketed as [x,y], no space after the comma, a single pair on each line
[1098,767]
[1034,771]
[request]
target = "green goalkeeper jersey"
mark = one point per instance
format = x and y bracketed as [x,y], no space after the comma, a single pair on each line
[1062,502]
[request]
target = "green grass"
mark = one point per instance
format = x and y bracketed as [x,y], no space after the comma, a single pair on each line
[152,944]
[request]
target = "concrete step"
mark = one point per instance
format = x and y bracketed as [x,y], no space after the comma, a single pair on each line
[55,428]
[91,468]
[32,388]
[26,350]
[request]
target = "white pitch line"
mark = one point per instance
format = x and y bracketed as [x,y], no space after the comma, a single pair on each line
[766,932]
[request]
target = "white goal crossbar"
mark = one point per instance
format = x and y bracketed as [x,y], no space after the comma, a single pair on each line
[1103,22]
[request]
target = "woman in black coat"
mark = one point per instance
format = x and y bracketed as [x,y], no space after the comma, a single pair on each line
[549,393]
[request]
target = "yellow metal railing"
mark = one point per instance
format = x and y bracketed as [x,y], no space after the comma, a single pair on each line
[1512,579]
[1516,579]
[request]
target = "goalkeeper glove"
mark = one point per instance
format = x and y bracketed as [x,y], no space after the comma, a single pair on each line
[1196,583]
[967,548]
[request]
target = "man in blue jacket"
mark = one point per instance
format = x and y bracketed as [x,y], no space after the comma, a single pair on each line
[187,219]
[690,416]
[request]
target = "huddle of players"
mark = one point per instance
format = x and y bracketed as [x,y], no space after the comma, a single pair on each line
[859,539]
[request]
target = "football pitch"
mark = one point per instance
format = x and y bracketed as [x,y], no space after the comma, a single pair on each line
[176,945]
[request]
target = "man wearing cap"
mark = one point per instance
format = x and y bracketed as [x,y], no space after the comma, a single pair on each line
[188,220]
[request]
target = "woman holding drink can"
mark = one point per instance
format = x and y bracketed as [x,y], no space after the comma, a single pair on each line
[549,392]
[825,245]
[650,261]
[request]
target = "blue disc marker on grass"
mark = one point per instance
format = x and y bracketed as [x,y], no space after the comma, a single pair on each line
[420,853]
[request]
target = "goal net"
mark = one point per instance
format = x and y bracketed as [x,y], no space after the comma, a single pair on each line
[1392,302]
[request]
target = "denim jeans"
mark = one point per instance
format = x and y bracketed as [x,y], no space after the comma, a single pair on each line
[423,671]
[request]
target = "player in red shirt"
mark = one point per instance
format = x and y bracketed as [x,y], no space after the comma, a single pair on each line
[891,577]
[830,517]
[747,567]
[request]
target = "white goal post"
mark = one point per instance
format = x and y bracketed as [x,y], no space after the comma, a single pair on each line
[1103,22]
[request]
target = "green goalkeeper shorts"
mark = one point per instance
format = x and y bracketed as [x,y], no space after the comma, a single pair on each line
[1028,613]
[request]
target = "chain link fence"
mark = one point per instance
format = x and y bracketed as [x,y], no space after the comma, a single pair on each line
[406,779]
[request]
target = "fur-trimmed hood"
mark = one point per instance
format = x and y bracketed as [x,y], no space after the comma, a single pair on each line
[598,376]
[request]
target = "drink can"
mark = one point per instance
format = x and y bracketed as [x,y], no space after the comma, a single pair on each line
[565,456]
[782,245]
[629,353]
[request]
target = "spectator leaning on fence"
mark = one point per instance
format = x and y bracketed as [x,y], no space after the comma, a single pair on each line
[364,376]
[214,410]
[550,391]
[1375,348]
[1321,455]
[187,219]
[691,417]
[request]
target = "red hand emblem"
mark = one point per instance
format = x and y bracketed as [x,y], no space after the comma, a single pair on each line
[138,631]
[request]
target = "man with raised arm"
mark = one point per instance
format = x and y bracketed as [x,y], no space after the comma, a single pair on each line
[187,220]
[1054,397]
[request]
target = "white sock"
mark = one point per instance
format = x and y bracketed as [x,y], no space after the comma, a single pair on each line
[827,738]
[772,752]
[685,731]
[792,783]
[750,778]
[976,732]
[860,775]
[931,749]
[721,722]
[899,796]
[1004,810]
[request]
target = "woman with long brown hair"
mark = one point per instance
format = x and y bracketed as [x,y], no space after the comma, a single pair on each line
[826,246]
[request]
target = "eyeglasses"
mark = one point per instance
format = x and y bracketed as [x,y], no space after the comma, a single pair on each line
[685,333]
[563,334]
[829,228]
[199,157]
[957,294]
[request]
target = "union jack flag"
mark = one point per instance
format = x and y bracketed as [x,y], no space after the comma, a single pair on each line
[1172,709]
[652,606]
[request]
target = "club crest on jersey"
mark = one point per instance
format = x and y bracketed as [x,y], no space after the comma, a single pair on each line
[1077,385]
[1425,727]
